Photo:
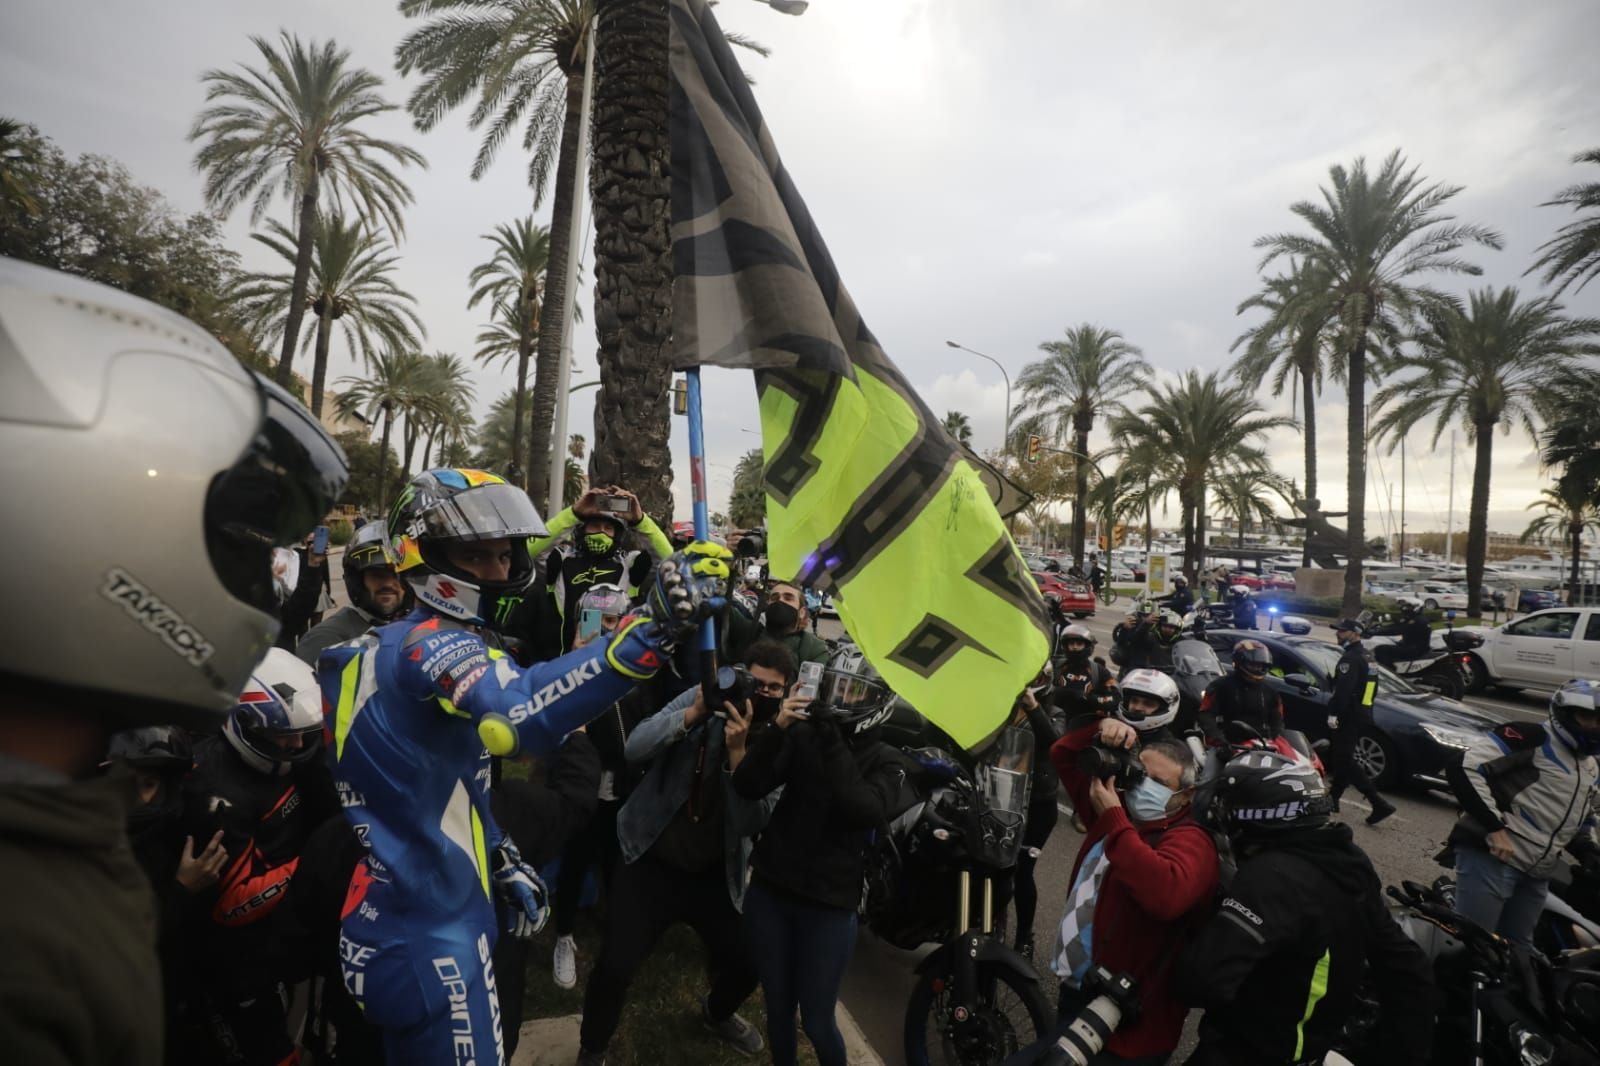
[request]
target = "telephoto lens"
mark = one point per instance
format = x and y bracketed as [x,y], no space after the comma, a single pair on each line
[1089,1030]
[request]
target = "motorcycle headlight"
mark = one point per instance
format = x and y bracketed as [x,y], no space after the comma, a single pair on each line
[1448,738]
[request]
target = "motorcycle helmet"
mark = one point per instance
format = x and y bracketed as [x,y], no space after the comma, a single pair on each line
[150,475]
[1239,592]
[857,698]
[160,749]
[369,550]
[1169,619]
[440,507]
[1252,659]
[1578,696]
[599,543]
[1154,685]
[1179,581]
[1077,633]
[277,723]
[610,600]
[1408,606]
[1263,792]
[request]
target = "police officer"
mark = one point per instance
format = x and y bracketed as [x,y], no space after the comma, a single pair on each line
[1355,685]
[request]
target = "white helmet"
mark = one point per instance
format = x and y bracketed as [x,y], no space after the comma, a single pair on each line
[277,722]
[148,476]
[1157,686]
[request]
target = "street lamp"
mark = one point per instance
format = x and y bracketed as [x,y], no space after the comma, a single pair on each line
[1005,445]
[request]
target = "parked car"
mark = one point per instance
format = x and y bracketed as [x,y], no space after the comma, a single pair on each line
[1075,597]
[1541,650]
[1529,600]
[1415,732]
[1438,596]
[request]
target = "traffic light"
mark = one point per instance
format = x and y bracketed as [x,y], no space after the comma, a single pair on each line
[1035,443]
[680,397]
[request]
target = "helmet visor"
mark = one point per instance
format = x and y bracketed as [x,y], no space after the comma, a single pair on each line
[486,512]
[369,548]
[845,691]
[289,476]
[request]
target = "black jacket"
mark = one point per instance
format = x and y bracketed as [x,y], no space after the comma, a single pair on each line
[1143,648]
[1355,685]
[1277,968]
[297,611]
[1231,699]
[1415,634]
[1083,690]
[834,795]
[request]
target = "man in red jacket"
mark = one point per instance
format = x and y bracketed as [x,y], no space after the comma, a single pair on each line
[1144,873]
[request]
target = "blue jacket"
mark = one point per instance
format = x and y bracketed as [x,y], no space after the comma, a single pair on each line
[671,750]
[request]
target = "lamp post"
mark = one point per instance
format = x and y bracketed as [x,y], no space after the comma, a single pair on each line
[1005,444]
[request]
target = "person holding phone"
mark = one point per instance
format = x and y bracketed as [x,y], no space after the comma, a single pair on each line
[300,611]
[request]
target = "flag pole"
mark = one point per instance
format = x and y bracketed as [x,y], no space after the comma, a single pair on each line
[702,518]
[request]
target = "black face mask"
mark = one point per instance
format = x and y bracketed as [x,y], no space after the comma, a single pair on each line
[765,707]
[780,618]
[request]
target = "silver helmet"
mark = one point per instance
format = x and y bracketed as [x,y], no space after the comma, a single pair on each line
[155,474]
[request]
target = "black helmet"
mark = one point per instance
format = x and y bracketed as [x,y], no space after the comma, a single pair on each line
[856,697]
[1262,793]
[1252,659]
[438,507]
[158,748]
[369,550]
[1077,632]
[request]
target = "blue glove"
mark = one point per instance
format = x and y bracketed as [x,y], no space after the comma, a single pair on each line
[687,588]
[524,894]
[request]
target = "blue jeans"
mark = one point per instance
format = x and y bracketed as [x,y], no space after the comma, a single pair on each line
[1498,897]
[801,951]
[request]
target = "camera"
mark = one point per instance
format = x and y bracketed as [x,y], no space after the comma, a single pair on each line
[1118,765]
[733,684]
[1116,1001]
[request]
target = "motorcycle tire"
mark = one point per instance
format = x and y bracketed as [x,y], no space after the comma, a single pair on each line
[998,1030]
[1450,683]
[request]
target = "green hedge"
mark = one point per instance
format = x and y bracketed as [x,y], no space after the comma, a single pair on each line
[340,532]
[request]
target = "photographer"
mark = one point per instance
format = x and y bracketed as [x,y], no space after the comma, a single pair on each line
[685,836]
[1144,871]
[838,786]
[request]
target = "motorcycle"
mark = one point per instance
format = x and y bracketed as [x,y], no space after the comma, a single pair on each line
[1443,668]
[1503,1003]
[1194,666]
[930,880]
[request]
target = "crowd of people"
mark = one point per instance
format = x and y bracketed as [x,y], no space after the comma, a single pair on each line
[251,827]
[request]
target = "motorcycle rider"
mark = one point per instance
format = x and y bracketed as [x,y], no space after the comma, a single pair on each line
[1149,703]
[1149,645]
[118,415]
[1243,696]
[1355,685]
[1180,599]
[1415,634]
[1084,687]
[1243,606]
[1278,965]
[1517,790]
[263,784]
[415,705]
[377,595]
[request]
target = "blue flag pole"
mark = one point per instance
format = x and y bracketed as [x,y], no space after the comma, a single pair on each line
[702,518]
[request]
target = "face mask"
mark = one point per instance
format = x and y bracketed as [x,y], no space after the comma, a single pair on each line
[765,707]
[1147,801]
[598,543]
[780,618]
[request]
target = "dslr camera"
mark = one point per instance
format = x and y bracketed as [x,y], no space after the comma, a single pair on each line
[1116,1000]
[733,684]
[1120,766]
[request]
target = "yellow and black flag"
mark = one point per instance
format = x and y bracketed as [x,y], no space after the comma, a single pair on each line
[866,492]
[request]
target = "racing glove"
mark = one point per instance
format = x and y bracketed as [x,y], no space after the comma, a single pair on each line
[522,891]
[689,587]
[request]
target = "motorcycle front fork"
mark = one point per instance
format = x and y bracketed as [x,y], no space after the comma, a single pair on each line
[964,963]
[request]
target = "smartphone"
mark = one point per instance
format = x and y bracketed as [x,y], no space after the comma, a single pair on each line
[810,680]
[589,623]
[319,541]
[614,504]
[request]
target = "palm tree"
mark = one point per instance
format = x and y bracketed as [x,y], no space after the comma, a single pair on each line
[747,504]
[513,281]
[443,395]
[1291,341]
[958,426]
[1249,493]
[1570,510]
[1573,254]
[1571,438]
[351,282]
[295,128]
[1483,365]
[19,159]
[492,442]
[393,386]
[1191,433]
[1083,376]
[1372,236]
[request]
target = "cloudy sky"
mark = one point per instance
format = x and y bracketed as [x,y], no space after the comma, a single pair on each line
[989,173]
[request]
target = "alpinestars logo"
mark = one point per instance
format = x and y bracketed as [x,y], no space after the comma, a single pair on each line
[148,609]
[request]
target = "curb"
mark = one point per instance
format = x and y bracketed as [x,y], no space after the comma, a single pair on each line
[554,1041]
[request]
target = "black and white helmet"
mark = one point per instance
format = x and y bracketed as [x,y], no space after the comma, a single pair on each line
[1157,686]
[856,696]
[369,550]
[277,723]
[1579,695]
[1263,792]
[149,476]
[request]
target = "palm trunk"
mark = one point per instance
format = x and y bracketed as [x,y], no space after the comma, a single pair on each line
[547,369]
[427,447]
[515,469]
[1356,476]
[302,280]
[633,252]
[1149,528]
[1080,491]
[411,443]
[1199,534]
[1308,402]
[1478,518]
[383,459]
[319,360]
[1575,535]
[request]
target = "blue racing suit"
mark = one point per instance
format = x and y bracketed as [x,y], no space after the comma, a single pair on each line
[412,711]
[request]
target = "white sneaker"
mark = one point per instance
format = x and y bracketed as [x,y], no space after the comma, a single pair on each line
[566,962]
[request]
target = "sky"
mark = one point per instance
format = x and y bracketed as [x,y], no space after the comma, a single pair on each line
[989,173]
